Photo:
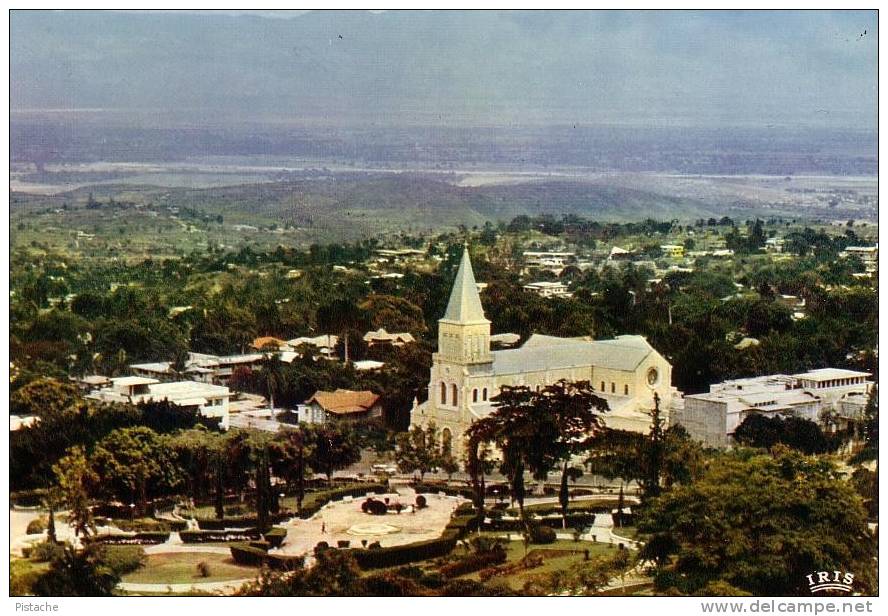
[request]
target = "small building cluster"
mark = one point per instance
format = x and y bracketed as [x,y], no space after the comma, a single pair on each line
[712,417]
[210,401]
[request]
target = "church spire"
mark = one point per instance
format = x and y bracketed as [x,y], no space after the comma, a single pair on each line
[465,303]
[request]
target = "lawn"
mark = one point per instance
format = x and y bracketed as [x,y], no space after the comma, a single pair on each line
[556,557]
[181,568]
[22,574]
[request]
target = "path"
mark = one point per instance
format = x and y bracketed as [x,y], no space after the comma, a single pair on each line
[334,520]
[225,587]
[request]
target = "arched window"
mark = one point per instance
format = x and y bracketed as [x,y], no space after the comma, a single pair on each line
[625,390]
[602,386]
[446,441]
[453,395]
[613,387]
[443,393]
[484,394]
[475,395]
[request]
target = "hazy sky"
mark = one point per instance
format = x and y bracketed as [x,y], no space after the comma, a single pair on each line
[710,68]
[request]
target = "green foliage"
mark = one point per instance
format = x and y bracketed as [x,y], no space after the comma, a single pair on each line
[124,559]
[47,551]
[541,534]
[78,573]
[36,526]
[760,523]
[762,431]
[133,465]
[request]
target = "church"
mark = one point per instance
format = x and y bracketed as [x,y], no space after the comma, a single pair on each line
[466,374]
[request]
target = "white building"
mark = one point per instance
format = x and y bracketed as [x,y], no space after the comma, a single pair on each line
[713,417]
[554,262]
[466,374]
[548,289]
[869,255]
[209,400]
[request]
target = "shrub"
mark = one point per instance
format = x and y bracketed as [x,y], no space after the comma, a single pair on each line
[421,501]
[244,554]
[46,552]
[474,562]
[204,536]
[143,538]
[373,558]
[203,568]
[36,526]
[322,546]
[390,584]
[540,534]
[284,562]
[124,559]
[262,545]
[374,507]
[276,536]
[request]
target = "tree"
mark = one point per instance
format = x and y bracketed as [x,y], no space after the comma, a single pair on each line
[761,523]
[574,413]
[289,461]
[870,449]
[333,447]
[78,573]
[133,465]
[762,431]
[264,497]
[655,450]
[335,574]
[418,450]
[76,480]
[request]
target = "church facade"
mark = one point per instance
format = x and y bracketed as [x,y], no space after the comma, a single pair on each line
[466,374]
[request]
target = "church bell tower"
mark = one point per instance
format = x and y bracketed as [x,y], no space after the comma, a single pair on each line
[464,332]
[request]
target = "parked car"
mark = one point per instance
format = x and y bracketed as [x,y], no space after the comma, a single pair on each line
[388,469]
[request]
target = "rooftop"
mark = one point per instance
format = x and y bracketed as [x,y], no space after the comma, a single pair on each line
[550,352]
[129,381]
[829,374]
[344,401]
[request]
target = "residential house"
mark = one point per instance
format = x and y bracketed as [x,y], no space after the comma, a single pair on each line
[342,404]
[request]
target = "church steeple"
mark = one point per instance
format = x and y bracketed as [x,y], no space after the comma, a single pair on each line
[465,303]
[464,332]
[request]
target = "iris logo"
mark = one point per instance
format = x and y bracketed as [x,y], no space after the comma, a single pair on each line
[830,580]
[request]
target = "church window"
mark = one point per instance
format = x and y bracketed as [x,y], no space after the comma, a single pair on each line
[602,386]
[475,395]
[443,393]
[453,392]
[484,394]
[625,390]
[613,387]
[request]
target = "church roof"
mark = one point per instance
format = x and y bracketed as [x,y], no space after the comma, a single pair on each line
[550,352]
[465,303]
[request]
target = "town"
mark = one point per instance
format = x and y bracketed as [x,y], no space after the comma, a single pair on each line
[382,391]
[444,303]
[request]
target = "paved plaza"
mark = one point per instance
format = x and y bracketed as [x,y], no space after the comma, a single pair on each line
[343,520]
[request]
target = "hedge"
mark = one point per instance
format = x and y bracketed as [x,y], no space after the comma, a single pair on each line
[315,501]
[462,522]
[244,554]
[205,536]
[28,498]
[276,536]
[474,562]
[580,520]
[141,538]
[252,556]
[403,554]
[240,521]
